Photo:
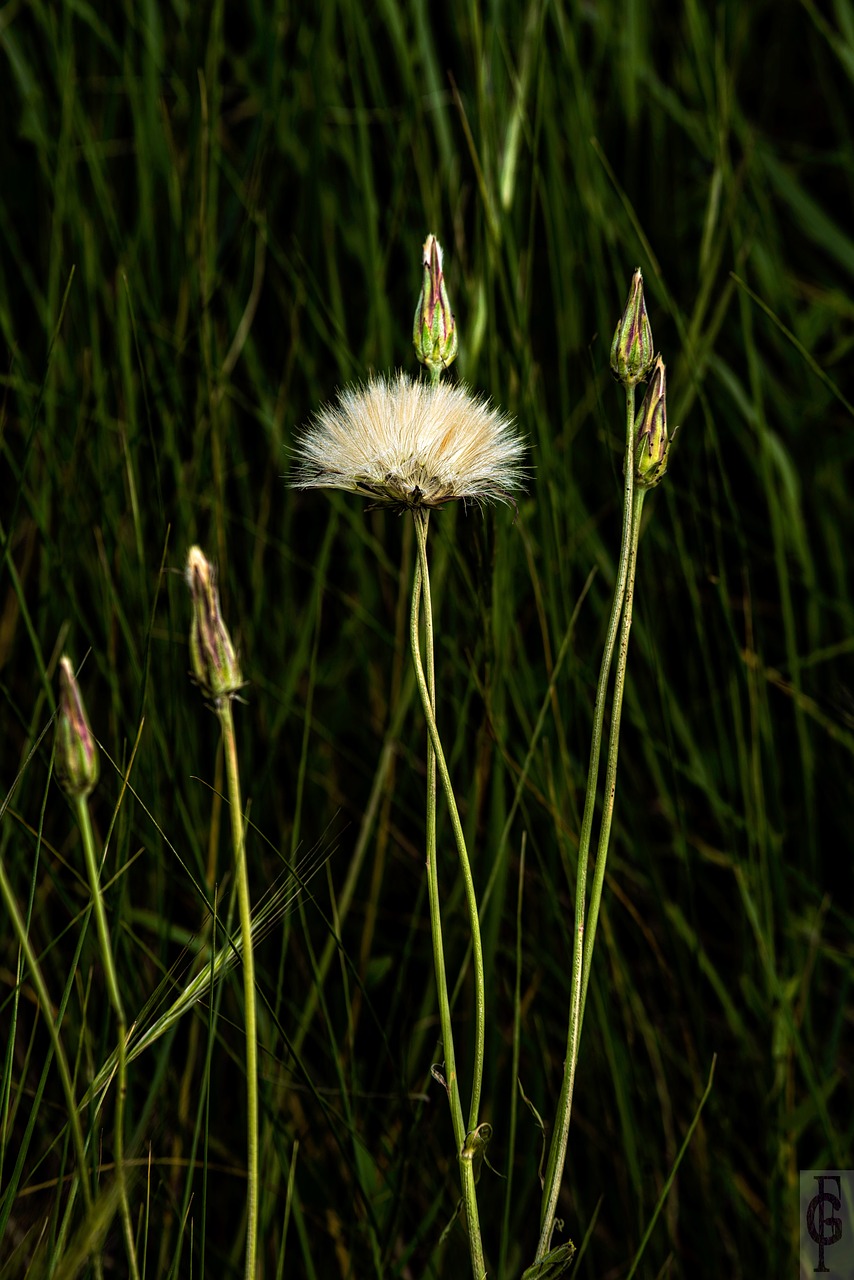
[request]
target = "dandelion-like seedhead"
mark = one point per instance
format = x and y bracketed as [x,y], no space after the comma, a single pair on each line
[409,444]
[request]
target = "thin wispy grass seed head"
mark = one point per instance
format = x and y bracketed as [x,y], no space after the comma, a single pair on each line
[410,444]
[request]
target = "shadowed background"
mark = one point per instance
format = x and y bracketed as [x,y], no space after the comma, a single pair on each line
[212,218]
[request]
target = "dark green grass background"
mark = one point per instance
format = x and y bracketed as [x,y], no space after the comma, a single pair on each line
[211,218]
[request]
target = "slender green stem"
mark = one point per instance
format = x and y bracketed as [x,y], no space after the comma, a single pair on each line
[613,753]
[421,589]
[85,823]
[468,1178]
[465,865]
[557,1149]
[451,1080]
[226,721]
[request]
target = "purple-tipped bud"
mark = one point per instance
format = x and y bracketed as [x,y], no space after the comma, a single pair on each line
[215,668]
[76,758]
[651,443]
[434,331]
[632,352]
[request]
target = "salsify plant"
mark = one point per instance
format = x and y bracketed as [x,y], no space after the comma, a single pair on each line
[216,670]
[414,445]
[647,446]
[411,445]
[77,773]
[77,770]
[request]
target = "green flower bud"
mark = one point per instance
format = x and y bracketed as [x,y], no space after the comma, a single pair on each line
[651,443]
[215,668]
[632,351]
[76,758]
[434,331]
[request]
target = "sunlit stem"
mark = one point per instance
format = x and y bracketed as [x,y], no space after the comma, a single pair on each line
[459,837]
[613,753]
[435,757]
[557,1149]
[226,720]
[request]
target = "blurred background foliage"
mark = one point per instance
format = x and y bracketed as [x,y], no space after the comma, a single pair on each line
[211,218]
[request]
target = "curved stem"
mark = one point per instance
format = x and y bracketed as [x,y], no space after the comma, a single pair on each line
[451,1081]
[557,1149]
[465,865]
[85,823]
[226,721]
[422,592]
[426,689]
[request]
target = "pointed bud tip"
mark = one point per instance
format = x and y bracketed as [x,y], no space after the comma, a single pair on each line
[76,757]
[434,332]
[632,350]
[432,254]
[214,663]
[652,444]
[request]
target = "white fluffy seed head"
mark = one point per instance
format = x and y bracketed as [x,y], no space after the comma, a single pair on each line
[411,444]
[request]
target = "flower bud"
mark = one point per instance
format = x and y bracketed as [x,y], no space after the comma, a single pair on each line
[632,351]
[76,757]
[434,331]
[651,443]
[215,668]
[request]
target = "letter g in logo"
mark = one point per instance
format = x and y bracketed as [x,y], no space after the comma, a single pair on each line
[824,1230]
